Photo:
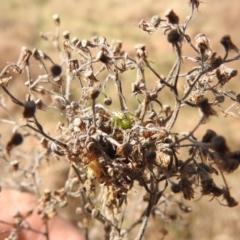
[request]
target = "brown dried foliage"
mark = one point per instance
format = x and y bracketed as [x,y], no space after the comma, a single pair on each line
[115,151]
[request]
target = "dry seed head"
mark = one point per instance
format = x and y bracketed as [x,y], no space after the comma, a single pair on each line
[56,70]
[23,59]
[155,21]
[228,44]
[229,165]
[173,36]
[186,188]
[172,16]
[56,19]
[208,136]
[29,109]
[117,47]
[17,215]
[73,64]
[44,142]
[220,98]
[91,146]
[89,76]
[66,34]
[47,194]
[141,51]
[40,105]
[107,101]
[15,165]
[86,43]
[75,41]
[77,122]
[166,110]
[16,139]
[92,93]
[238,97]
[218,144]
[205,107]
[194,3]
[175,187]
[202,43]
[150,156]
[124,150]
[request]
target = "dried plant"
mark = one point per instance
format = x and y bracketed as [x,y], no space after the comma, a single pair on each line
[112,153]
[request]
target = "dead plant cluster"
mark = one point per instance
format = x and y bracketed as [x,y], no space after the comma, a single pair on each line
[110,153]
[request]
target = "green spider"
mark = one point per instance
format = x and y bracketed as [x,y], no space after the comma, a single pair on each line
[121,120]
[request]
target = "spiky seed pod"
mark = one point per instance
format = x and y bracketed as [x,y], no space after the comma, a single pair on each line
[56,70]
[173,36]
[218,144]
[29,109]
[124,150]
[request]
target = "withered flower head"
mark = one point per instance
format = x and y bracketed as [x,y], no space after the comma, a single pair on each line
[231,202]
[92,93]
[220,98]
[194,3]
[141,51]
[205,107]
[117,47]
[219,145]
[186,188]
[172,16]
[15,165]
[23,59]
[230,162]
[150,156]
[202,43]
[56,19]
[208,136]
[124,150]
[107,101]
[102,57]
[155,21]
[228,44]
[56,70]
[66,34]
[173,36]
[15,140]
[29,109]
[175,187]
[238,97]
[209,187]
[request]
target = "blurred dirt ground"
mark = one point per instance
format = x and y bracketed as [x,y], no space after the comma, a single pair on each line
[22,21]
